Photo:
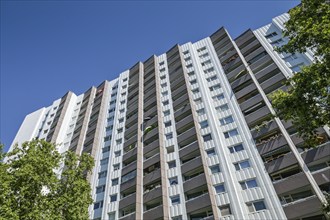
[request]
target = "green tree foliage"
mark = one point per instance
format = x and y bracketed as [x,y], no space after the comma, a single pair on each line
[307,102]
[32,189]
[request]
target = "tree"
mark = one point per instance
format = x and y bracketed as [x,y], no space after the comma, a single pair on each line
[32,189]
[307,101]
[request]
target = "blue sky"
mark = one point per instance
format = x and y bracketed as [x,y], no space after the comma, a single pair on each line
[50,47]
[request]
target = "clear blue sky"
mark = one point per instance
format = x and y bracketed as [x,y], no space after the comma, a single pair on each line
[50,47]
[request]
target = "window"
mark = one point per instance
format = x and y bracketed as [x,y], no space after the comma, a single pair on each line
[163,77]
[215,87]
[168,123]
[189,65]
[113,198]
[200,111]
[173,180]
[226,120]
[170,149]
[163,85]
[98,205]
[114,182]
[169,136]
[165,102]
[204,124]
[123,94]
[187,59]
[122,110]
[207,137]
[209,70]
[165,93]
[186,52]
[100,189]
[249,184]
[201,49]
[215,169]
[211,152]
[231,133]
[225,210]
[162,69]
[117,153]
[122,102]
[112,215]
[242,165]
[124,86]
[119,130]
[198,101]
[161,63]
[171,164]
[206,62]
[271,35]
[167,112]
[212,78]
[218,97]
[107,138]
[116,166]
[108,128]
[192,82]
[102,174]
[222,108]
[120,120]
[104,161]
[256,206]
[220,188]
[105,149]
[179,217]
[125,79]
[195,91]
[119,141]
[191,73]
[175,200]
[204,55]
[236,148]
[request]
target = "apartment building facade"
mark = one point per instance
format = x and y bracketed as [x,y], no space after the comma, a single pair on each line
[189,134]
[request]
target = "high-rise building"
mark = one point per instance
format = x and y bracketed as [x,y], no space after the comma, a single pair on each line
[189,134]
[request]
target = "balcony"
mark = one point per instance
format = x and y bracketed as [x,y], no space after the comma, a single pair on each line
[178,82]
[266,72]
[127,201]
[150,147]
[281,163]
[317,153]
[152,194]
[191,165]
[129,167]
[250,47]
[154,213]
[177,93]
[130,154]
[260,62]
[267,128]
[128,217]
[232,74]
[188,149]
[194,182]
[128,184]
[257,115]
[271,144]
[131,121]
[151,177]
[290,183]
[152,160]
[197,203]
[279,77]
[151,111]
[187,137]
[182,112]
[303,207]
[184,124]
[180,101]
[151,136]
[130,141]
[245,91]
[322,176]
[250,102]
